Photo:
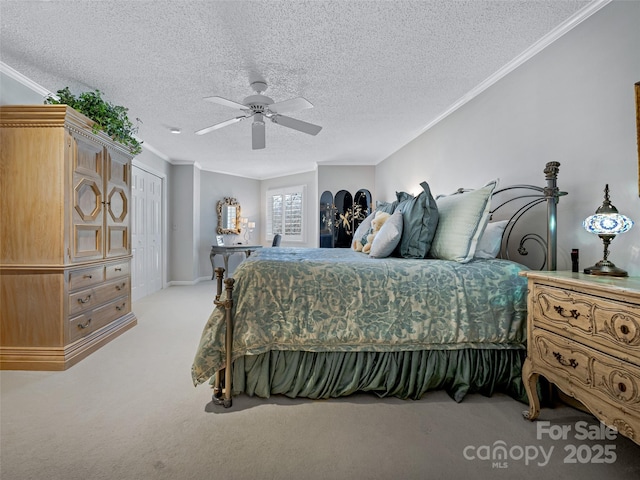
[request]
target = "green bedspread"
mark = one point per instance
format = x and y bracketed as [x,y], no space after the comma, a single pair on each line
[338,300]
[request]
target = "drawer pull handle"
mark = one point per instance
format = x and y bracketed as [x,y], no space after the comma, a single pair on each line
[86,325]
[572,313]
[121,307]
[622,387]
[121,287]
[118,269]
[87,276]
[624,329]
[85,299]
[567,363]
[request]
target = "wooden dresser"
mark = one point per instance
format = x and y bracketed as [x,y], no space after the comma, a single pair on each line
[65,285]
[584,337]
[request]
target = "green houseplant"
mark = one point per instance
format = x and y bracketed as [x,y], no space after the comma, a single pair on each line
[112,119]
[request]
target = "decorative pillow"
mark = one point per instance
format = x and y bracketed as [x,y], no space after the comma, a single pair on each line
[388,207]
[388,237]
[491,240]
[420,218]
[363,228]
[463,218]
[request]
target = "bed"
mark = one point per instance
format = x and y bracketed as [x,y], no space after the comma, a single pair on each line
[321,323]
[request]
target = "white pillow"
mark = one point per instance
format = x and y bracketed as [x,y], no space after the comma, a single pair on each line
[463,218]
[363,228]
[387,239]
[491,240]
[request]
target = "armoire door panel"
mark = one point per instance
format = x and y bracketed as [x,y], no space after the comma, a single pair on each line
[117,204]
[88,158]
[87,242]
[117,241]
[117,218]
[87,199]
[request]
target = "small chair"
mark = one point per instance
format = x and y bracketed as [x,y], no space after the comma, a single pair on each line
[276,240]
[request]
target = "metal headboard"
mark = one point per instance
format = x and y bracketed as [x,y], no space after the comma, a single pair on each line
[549,194]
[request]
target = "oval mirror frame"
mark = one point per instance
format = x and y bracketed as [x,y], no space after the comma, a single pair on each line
[228,216]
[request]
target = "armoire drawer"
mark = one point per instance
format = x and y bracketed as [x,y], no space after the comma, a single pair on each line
[86,278]
[92,320]
[91,297]
[117,270]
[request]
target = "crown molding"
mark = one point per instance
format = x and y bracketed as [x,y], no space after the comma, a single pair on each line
[155,151]
[532,51]
[26,81]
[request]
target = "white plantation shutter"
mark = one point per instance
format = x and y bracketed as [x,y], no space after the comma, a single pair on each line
[285,214]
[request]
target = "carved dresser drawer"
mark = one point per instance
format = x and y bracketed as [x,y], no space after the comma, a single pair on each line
[584,337]
[615,382]
[593,320]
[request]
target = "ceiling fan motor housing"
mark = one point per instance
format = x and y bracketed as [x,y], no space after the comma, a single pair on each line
[257,103]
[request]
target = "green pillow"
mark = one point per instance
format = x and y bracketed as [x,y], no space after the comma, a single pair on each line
[420,219]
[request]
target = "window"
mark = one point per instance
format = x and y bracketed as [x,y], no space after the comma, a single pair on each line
[285,213]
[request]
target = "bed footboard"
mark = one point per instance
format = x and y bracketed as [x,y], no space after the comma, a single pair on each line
[222,380]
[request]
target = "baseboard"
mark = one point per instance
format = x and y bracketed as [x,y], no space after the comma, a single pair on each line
[187,283]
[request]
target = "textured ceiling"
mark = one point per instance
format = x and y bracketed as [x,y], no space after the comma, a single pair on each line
[377,72]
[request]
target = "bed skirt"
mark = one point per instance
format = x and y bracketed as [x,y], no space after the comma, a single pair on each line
[407,375]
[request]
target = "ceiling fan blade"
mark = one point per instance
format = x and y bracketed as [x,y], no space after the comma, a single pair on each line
[292,105]
[225,102]
[219,125]
[299,125]
[257,133]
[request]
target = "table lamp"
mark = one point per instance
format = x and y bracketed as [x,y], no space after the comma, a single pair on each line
[606,223]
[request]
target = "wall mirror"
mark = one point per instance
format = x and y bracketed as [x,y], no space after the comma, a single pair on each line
[228,216]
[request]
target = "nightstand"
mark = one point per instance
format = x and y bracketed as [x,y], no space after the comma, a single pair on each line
[584,337]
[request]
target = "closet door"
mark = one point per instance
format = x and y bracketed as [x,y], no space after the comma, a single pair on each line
[146,233]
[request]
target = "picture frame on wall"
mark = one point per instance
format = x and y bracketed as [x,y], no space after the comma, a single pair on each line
[220,240]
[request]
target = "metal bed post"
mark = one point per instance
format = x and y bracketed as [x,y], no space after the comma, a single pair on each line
[224,388]
[551,194]
[219,273]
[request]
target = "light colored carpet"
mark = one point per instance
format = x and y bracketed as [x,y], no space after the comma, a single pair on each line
[130,411]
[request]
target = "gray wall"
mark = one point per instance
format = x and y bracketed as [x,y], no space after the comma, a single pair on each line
[572,103]
[214,187]
[312,200]
[182,223]
[350,178]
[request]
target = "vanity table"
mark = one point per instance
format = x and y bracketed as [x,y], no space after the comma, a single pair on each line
[227,251]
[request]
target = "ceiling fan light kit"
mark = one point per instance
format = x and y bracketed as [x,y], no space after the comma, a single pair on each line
[260,106]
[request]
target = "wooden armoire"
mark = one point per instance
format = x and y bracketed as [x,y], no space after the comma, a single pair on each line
[65,253]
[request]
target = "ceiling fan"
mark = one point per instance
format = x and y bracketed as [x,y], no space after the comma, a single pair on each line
[260,106]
